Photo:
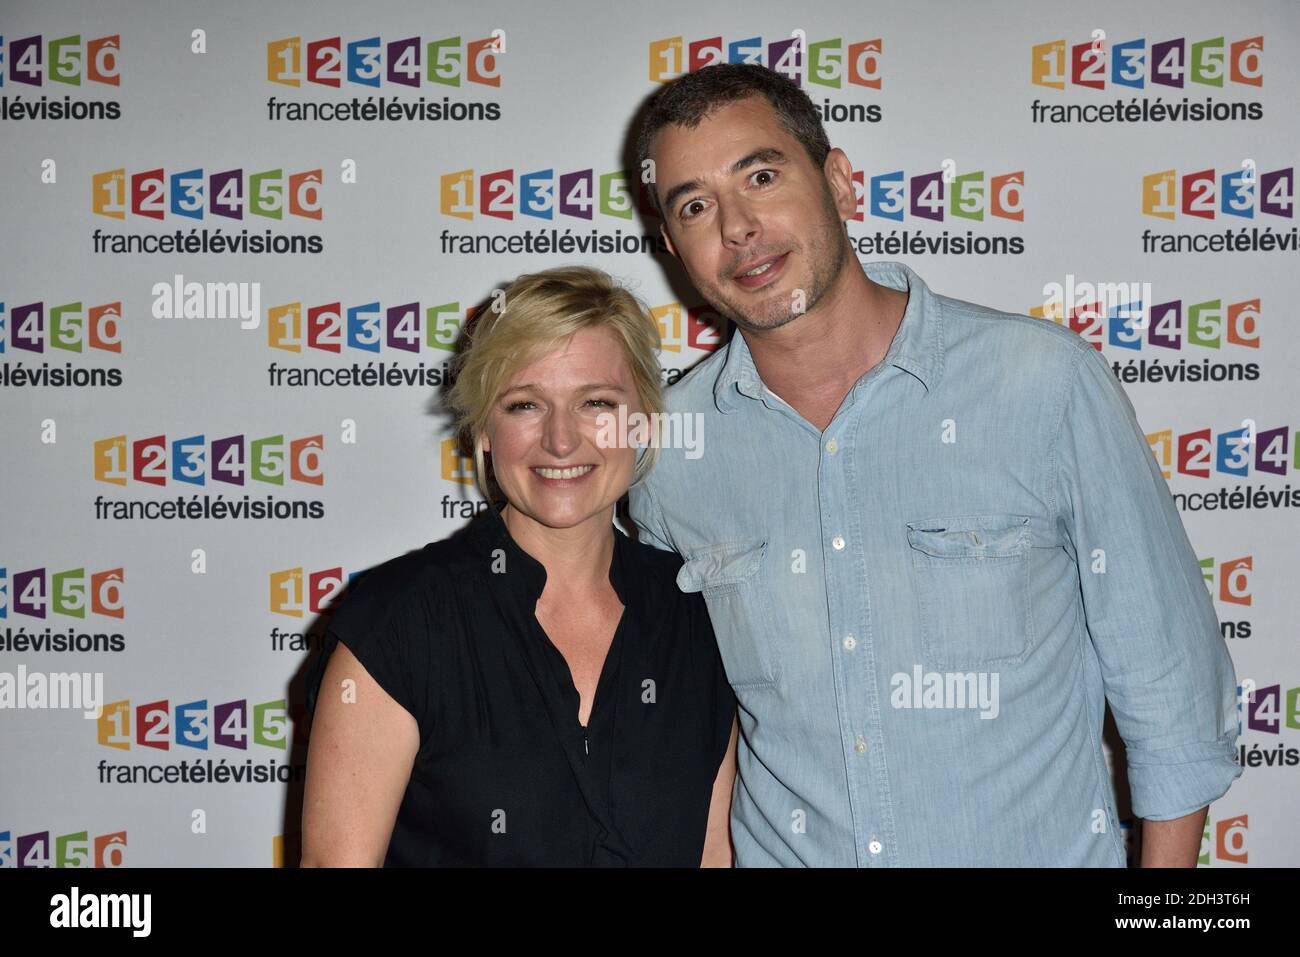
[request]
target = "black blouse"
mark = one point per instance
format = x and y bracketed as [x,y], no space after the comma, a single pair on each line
[505,774]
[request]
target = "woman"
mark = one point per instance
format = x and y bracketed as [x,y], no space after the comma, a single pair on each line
[534,690]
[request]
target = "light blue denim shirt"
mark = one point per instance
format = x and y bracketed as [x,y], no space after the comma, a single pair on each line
[924,609]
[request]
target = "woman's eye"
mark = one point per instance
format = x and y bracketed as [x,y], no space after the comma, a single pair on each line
[513,406]
[603,402]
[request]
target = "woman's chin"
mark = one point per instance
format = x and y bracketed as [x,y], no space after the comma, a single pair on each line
[564,510]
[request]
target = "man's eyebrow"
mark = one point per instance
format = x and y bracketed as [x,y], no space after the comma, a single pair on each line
[768,154]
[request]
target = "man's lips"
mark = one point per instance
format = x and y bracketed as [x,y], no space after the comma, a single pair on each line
[763,278]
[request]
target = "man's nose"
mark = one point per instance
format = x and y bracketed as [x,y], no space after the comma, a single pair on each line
[739,224]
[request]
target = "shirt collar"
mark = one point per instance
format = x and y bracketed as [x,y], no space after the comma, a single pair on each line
[917,348]
[524,574]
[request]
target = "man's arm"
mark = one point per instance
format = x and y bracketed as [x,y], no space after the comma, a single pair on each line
[1175,843]
[1168,677]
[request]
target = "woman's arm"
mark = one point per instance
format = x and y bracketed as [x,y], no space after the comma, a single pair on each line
[359,762]
[717,839]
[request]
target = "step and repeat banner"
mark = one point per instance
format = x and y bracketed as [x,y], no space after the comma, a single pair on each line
[240,241]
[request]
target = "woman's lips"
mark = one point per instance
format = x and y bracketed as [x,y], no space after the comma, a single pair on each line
[562,482]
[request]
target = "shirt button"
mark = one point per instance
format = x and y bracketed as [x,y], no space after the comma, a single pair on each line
[875,847]
[832,446]
[850,642]
[838,542]
[861,746]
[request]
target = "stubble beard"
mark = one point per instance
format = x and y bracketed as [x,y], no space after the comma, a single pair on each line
[826,254]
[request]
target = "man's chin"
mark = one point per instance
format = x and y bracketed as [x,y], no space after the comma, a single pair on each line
[765,322]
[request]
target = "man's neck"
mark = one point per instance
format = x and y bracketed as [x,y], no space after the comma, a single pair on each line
[814,361]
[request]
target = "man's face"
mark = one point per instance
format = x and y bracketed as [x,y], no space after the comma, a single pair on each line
[752,197]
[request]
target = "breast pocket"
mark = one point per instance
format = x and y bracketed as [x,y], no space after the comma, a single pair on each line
[971,576]
[730,577]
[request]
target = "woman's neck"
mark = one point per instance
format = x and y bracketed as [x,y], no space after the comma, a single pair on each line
[576,559]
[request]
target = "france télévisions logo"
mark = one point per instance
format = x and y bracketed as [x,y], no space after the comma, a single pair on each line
[40,593]
[1228,582]
[818,66]
[1206,194]
[195,724]
[947,196]
[540,194]
[366,327]
[1097,63]
[454,466]
[688,327]
[297,592]
[1225,840]
[446,64]
[305,594]
[1242,194]
[75,849]
[1172,324]
[410,62]
[1230,452]
[62,63]
[1232,578]
[69,330]
[942,194]
[543,198]
[230,194]
[195,730]
[1269,709]
[1174,341]
[232,460]
[360,332]
[33,62]
[365,332]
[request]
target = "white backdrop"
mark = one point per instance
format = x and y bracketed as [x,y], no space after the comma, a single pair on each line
[1011,153]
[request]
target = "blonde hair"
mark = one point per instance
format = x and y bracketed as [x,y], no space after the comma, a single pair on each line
[534,315]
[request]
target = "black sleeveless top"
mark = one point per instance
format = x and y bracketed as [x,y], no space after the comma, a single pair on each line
[505,775]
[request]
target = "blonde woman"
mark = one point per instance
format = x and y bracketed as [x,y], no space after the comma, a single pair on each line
[534,690]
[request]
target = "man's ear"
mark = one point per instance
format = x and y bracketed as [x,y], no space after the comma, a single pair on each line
[663,231]
[839,179]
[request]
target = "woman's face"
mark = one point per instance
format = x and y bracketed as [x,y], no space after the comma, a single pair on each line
[550,454]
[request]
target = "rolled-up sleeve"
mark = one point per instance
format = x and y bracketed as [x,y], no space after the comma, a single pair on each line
[1167,673]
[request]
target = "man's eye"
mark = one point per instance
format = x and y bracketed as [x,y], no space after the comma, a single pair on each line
[686,210]
[771,173]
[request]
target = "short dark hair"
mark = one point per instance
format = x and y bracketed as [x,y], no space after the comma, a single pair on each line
[692,96]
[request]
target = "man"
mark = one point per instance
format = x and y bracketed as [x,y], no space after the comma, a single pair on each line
[931,536]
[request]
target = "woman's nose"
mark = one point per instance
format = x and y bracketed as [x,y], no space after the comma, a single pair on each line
[560,436]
